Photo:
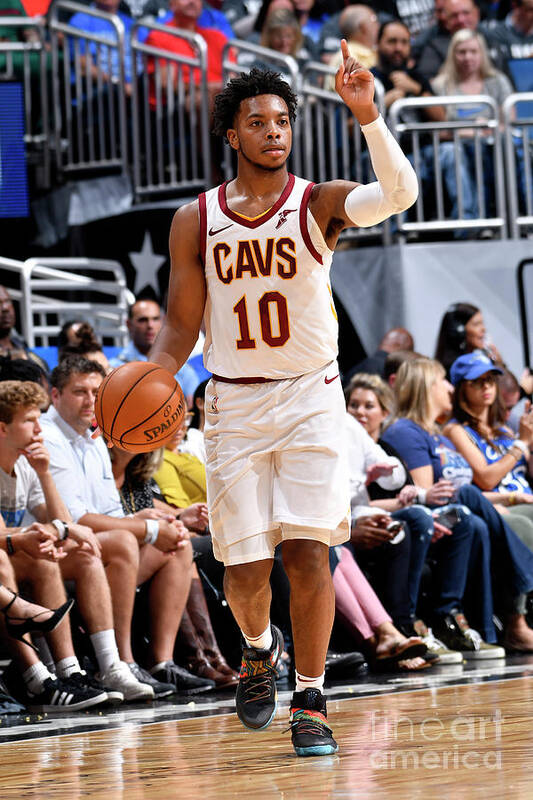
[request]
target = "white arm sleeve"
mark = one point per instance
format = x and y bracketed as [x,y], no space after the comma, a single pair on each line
[396,188]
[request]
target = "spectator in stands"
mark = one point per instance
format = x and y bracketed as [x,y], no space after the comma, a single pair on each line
[359,25]
[11,9]
[209,18]
[467,70]
[23,369]
[499,459]
[513,402]
[371,402]
[462,330]
[514,39]
[395,339]
[144,323]
[193,442]
[282,33]
[82,471]
[361,612]
[423,397]
[186,15]
[85,343]
[108,57]
[9,338]
[429,33]
[133,476]
[27,487]
[67,333]
[458,14]
[393,363]
[399,81]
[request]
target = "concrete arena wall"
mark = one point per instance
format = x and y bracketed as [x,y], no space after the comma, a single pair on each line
[412,285]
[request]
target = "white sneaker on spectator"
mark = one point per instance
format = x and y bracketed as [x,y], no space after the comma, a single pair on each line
[119,677]
[435,645]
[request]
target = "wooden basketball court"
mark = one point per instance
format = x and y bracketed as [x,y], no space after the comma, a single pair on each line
[461,734]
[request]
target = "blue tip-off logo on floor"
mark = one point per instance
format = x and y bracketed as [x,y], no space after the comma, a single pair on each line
[14,201]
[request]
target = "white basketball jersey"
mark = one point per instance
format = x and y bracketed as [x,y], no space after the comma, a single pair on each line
[269,310]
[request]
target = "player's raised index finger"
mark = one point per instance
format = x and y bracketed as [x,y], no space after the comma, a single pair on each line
[344,49]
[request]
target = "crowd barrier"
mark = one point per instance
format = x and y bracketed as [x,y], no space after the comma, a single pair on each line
[54,290]
[459,165]
[120,104]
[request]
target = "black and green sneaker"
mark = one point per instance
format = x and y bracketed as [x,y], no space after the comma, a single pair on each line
[311,735]
[256,697]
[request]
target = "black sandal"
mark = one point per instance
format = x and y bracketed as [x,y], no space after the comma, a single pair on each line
[18,626]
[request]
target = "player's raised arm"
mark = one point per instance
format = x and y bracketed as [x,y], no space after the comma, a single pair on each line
[396,188]
[186,292]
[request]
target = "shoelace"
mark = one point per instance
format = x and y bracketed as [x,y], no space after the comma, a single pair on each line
[257,680]
[431,641]
[474,637]
[305,721]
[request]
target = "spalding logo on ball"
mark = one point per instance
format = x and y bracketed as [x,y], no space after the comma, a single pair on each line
[139,406]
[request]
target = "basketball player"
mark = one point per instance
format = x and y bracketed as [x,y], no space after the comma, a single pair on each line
[253,255]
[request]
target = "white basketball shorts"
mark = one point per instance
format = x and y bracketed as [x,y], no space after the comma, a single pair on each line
[276,464]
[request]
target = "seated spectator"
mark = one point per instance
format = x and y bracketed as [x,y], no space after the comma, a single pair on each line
[401,81]
[27,487]
[457,14]
[393,340]
[209,18]
[467,70]
[23,369]
[427,34]
[462,330]
[198,649]
[85,343]
[359,25]
[282,33]
[512,400]
[393,363]
[193,442]
[82,471]
[104,61]
[499,459]
[361,612]
[10,340]
[371,402]
[67,333]
[186,14]
[181,476]
[144,323]
[514,38]
[424,396]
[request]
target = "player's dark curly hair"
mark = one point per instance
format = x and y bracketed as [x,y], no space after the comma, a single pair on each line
[250,84]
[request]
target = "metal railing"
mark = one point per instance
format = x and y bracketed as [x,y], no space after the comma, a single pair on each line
[518,141]
[89,92]
[170,114]
[239,57]
[16,63]
[42,314]
[452,159]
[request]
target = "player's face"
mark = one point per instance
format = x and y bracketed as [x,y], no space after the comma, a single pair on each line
[475,332]
[144,324]
[364,406]
[75,402]
[262,134]
[23,429]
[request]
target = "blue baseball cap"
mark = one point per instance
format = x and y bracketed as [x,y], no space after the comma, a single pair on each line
[471,366]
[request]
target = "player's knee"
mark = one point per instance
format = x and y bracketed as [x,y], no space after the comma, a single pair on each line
[305,560]
[247,579]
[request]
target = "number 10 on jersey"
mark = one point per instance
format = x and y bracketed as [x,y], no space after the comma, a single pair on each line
[269,303]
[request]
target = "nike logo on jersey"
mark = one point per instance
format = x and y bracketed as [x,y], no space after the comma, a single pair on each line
[283,216]
[214,233]
[330,380]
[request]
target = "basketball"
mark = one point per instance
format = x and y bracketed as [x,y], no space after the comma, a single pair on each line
[139,406]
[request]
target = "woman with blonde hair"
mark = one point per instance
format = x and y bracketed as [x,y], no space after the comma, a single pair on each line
[467,70]
[423,400]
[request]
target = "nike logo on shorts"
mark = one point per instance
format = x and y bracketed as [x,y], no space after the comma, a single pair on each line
[330,380]
[214,233]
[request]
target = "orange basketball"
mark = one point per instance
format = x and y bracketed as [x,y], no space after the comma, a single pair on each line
[139,406]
